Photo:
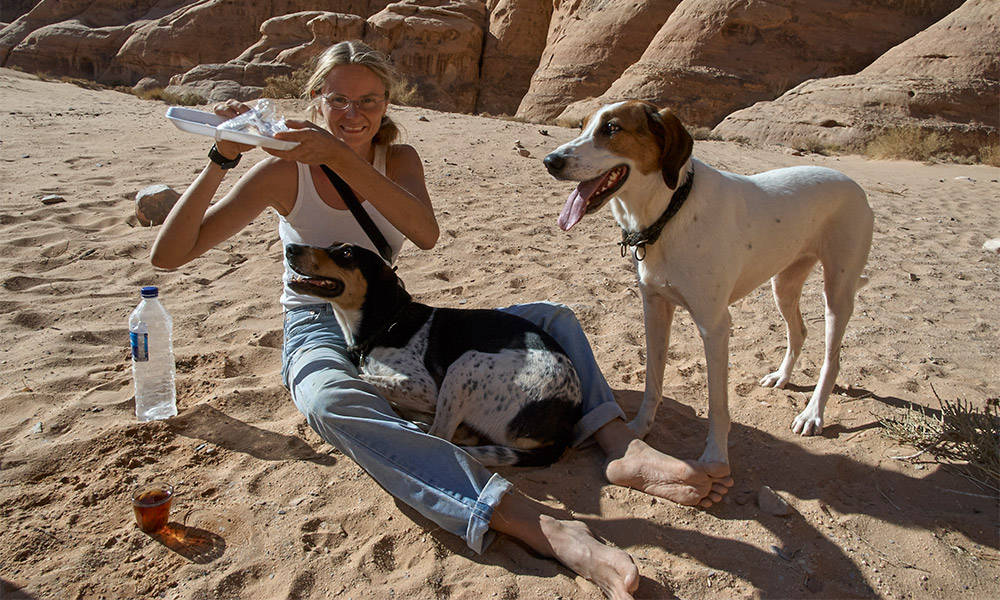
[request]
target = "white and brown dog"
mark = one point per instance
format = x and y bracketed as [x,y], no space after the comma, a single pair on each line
[704,238]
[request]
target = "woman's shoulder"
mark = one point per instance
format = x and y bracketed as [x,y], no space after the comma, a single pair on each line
[277,179]
[402,156]
[272,166]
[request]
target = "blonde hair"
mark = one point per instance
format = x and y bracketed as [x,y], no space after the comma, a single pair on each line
[356,52]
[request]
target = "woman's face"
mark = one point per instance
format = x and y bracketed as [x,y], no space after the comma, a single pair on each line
[365,98]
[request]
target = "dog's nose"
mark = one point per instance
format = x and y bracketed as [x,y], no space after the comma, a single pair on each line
[293,250]
[554,162]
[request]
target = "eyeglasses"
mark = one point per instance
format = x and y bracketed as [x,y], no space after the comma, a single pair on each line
[341,102]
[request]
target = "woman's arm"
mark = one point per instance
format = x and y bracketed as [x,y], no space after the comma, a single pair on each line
[402,200]
[193,227]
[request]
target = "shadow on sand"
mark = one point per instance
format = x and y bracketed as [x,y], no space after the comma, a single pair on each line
[197,545]
[212,425]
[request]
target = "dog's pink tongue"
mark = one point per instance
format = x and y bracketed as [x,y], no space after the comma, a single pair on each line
[576,204]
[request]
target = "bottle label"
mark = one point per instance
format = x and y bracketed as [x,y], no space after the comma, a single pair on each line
[140,346]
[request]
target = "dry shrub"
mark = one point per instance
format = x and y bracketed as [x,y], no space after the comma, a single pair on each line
[909,143]
[84,83]
[961,435]
[407,94]
[990,155]
[185,99]
[815,146]
[288,86]
[704,133]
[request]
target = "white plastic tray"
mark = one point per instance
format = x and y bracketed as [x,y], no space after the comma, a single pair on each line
[205,123]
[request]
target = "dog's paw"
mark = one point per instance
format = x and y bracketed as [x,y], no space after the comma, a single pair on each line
[774,380]
[713,454]
[806,424]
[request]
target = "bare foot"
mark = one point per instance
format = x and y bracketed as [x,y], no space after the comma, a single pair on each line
[609,568]
[686,482]
[570,542]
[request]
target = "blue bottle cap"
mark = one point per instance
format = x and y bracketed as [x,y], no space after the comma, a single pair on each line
[150,291]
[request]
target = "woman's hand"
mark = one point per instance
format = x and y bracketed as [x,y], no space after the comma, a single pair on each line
[230,109]
[316,145]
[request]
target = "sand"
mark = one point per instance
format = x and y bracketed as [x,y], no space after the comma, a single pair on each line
[265,509]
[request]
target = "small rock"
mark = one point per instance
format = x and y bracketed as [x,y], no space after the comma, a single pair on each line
[992,245]
[965,178]
[52,199]
[524,152]
[543,131]
[423,118]
[37,428]
[146,84]
[914,277]
[517,144]
[770,502]
[153,204]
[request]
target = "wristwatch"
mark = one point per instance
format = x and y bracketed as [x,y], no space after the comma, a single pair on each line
[224,163]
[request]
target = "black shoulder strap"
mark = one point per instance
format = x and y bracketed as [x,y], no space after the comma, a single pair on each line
[351,200]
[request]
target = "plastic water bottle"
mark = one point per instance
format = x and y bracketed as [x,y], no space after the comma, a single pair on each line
[151,335]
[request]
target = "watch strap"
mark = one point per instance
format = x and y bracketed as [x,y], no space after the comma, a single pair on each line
[224,163]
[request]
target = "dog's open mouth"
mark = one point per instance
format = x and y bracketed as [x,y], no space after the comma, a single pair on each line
[591,195]
[324,288]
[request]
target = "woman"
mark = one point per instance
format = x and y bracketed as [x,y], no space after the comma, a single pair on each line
[350,88]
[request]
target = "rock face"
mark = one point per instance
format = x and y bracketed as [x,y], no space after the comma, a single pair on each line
[28,34]
[715,56]
[12,9]
[514,42]
[945,79]
[545,61]
[286,43]
[589,45]
[437,46]
[128,40]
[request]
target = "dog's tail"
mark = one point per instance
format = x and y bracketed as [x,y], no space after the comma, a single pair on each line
[546,424]
[504,456]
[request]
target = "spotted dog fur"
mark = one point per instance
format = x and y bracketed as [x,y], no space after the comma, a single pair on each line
[494,373]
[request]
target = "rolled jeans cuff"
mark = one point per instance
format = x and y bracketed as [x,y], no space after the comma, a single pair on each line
[597,417]
[479,536]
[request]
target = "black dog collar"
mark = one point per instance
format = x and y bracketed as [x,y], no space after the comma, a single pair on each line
[639,239]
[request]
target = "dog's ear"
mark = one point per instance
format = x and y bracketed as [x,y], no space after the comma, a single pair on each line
[675,143]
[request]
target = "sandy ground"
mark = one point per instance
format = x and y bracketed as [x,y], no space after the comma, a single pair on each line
[266,509]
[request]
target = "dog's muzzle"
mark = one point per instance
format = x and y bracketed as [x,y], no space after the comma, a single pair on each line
[555,163]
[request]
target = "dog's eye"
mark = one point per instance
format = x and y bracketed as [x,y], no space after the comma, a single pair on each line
[611,128]
[346,253]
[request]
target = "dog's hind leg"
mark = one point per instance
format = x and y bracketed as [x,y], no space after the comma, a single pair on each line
[839,291]
[658,315]
[787,289]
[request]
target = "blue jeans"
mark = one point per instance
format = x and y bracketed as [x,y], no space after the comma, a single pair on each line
[435,477]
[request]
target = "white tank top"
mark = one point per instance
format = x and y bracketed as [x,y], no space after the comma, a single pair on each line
[315,223]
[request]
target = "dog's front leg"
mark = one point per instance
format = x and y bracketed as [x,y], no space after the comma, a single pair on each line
[658,314]
[715,337]
[451,403]
[417,393]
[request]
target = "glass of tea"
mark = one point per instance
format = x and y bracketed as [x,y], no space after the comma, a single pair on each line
[151,504]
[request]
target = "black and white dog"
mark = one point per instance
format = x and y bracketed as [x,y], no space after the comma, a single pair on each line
[497,374]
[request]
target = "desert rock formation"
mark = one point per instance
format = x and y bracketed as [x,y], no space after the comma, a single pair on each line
[437,45]
[712,57]
[545,61]
[946,79]
[589,46]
